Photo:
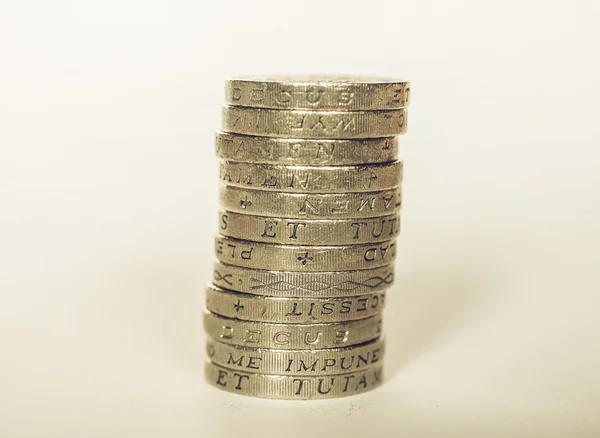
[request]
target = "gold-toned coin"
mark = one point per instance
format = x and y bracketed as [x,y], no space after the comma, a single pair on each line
[309,152]
[250,307]
[313,124]
[303,284]
[318,92]
[308,231]
[310,206]
[301,258]
[296,362]
[312,179]
[291,336]
[293,387]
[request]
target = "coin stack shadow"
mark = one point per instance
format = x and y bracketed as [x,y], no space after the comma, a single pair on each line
[310,198]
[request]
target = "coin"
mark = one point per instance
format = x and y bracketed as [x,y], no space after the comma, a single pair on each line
[303,284]
[296,362]
[312,179]
[318,92]
[260,255]
[313,124]
[310,206]
[249,307]
[310,152]
[291,336]
[308,231]
[293,387]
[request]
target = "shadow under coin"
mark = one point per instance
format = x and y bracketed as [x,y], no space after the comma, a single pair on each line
[422,308]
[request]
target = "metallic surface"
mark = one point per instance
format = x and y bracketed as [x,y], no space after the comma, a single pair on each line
[250,307]
[308,231]
[305,152]
[296,362]
[312,179]
[303,284]
[323,93]
[291,336]
[310,206]
[313,124]
[293,387]
[304,258]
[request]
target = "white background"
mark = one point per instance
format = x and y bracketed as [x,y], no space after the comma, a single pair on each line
[108,201]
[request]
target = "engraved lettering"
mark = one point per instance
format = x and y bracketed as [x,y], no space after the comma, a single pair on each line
[224,221]
[370,254]
[364,360]
[358,226]
[294,227]
[294,311]
[252,362]
[267,150]
[343,364]
[283,97]
[328,363]
[269,230]
[363,304]
[341,336]
[387,200]
[256,95]
[340,206]
[309,206]
[375,300]
[303,367]
[313,95]
[347,382]
[282,338]
[232,361]
[362,381]
[247,255]
[300,383]
[320,386]
[252,336]
[318,123]
[240,378]
[299,125]
[236,94]
[226,332]
[219,247]
[346,306]
[378,233]
[325,150]
[221,378]
[345,97]
[210,350]
[327,309]
[315,340]
[370,202]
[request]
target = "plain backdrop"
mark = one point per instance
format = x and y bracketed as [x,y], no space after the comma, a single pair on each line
[108,204]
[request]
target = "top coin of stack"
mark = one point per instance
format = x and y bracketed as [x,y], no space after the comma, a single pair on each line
[310,197]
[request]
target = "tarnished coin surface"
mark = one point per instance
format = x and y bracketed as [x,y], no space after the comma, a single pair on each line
[293,387]
[296,362]
[303,258]
[308,231]
[310,206]
[313,124]
[299,310]
[312,179]
[318,92]
[292,336]
[302,284]
[309,152]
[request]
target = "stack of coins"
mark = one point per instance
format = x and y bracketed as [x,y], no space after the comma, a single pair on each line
[310,198]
